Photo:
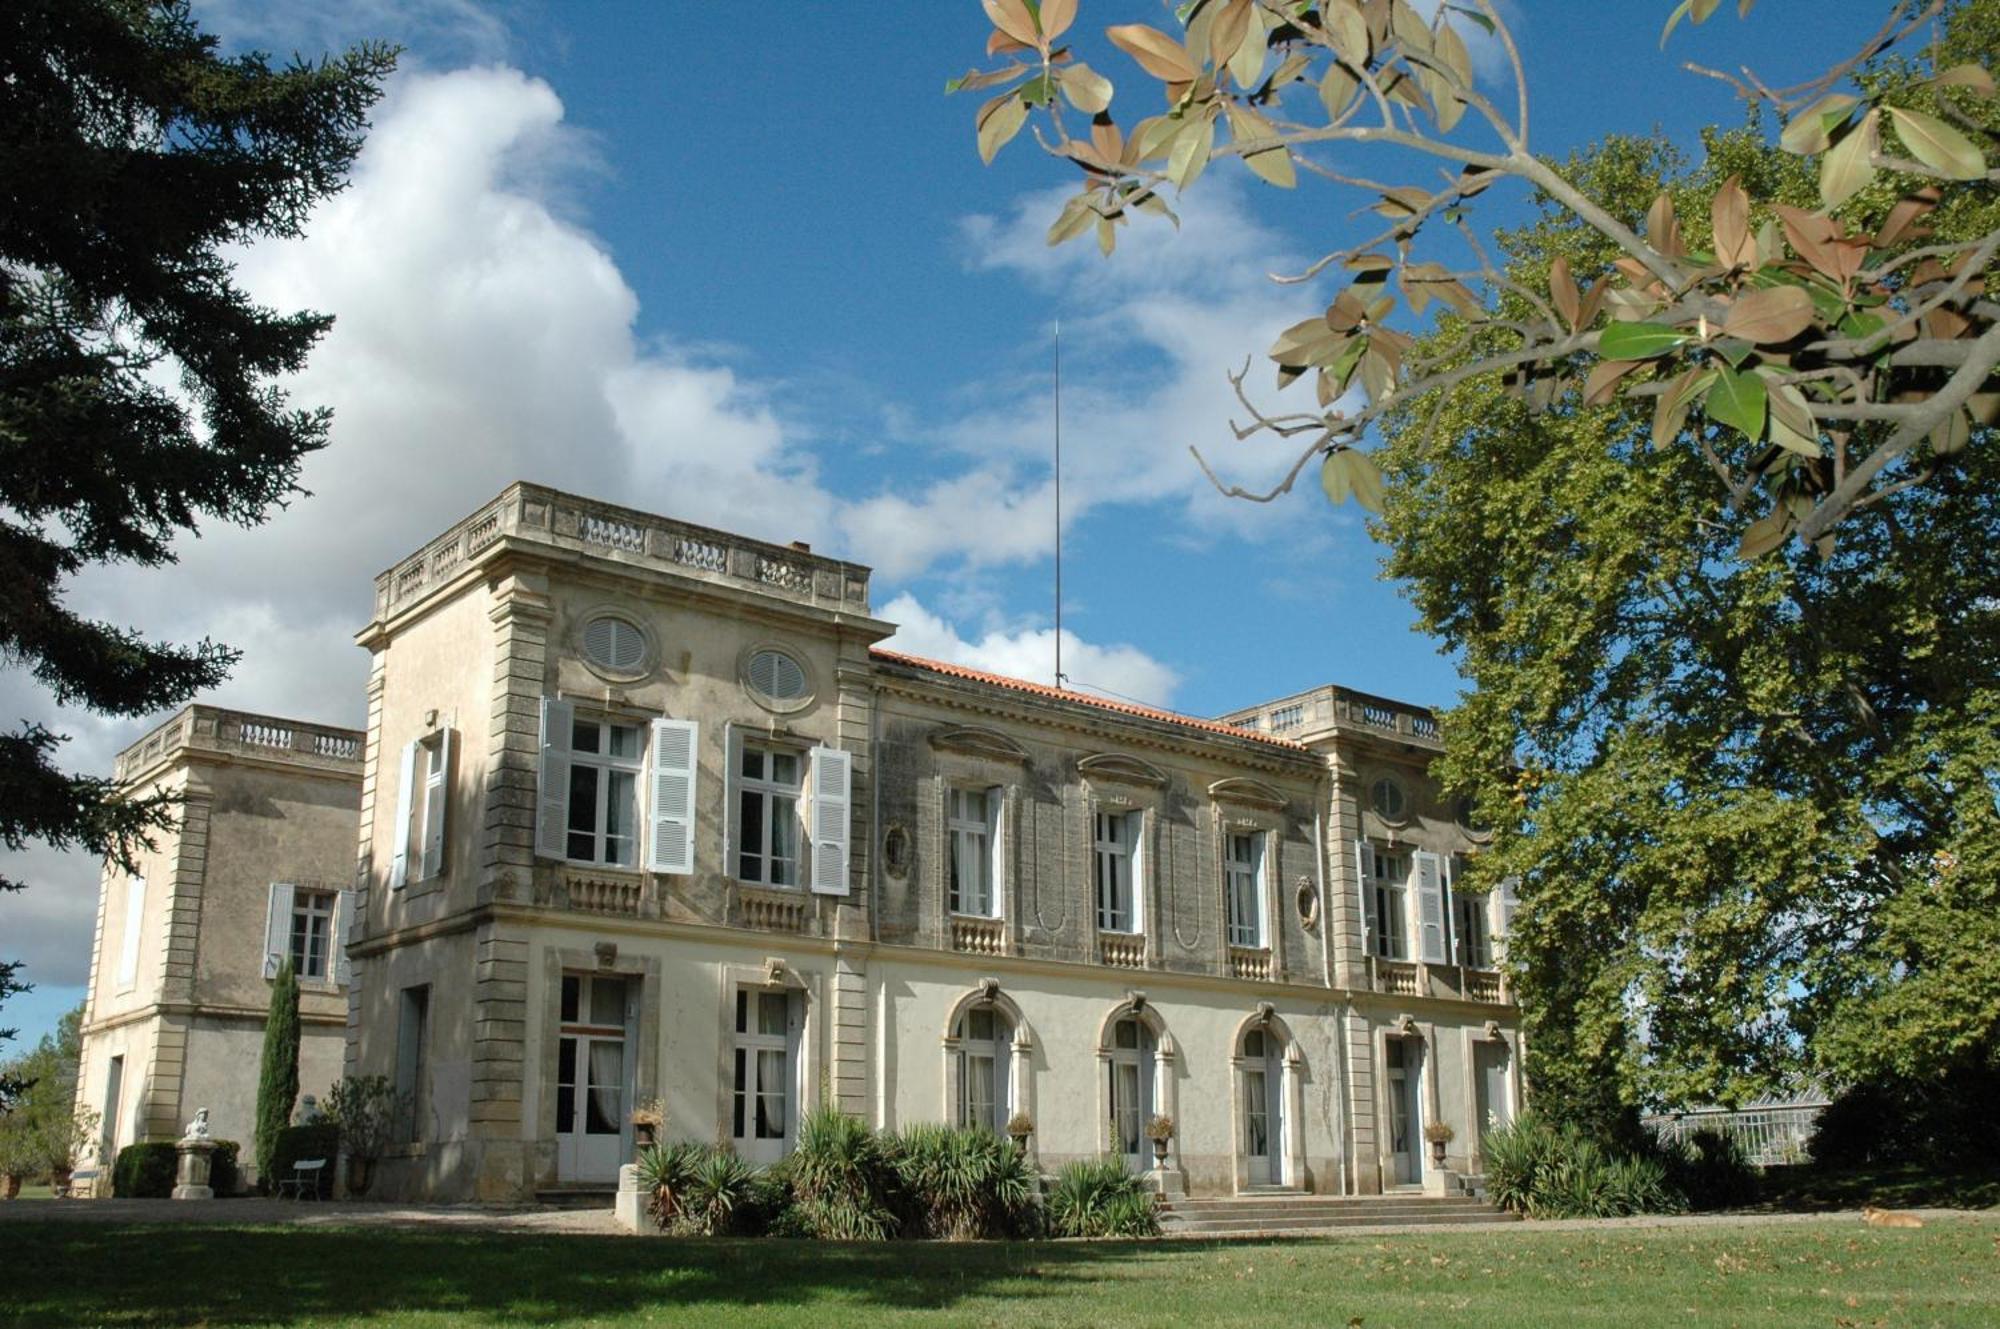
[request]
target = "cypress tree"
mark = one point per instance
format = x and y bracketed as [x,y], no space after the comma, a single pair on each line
[278,1083]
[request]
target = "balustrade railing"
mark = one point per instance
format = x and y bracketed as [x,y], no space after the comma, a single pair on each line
[979,936]
[1124,952]
[1250,962]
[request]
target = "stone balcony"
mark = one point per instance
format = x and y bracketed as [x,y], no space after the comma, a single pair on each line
[1334,709]
[1251,962]
[531,515]
[978,936]
[1121,951]
[1403,978]
[212,729]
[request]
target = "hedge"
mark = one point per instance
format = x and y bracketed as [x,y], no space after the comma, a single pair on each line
[144,1171]
[224,1177]
[321,1140]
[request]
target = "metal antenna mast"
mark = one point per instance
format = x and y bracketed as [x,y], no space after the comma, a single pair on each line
[1059,668]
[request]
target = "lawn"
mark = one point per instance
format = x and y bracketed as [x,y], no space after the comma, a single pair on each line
[1758,1274]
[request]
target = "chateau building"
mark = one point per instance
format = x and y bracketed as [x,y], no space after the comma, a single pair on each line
[646,812]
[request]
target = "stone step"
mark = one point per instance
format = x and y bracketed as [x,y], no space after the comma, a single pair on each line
[577,1197]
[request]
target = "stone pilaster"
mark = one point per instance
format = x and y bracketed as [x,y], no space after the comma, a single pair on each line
[522,614]
[361,925]
[499,1034]
[179,956]
[1347,929]
[850,1034]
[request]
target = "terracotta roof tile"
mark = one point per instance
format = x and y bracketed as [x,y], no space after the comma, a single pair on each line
[1088,699]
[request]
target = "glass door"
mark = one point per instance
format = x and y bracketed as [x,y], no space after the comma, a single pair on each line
[1131,1071]
[592,1091]
[1406,1126]
[763,1119]
[1263,1128]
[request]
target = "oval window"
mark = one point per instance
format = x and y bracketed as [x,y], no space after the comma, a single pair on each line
[614,644]
[776,676]
[1388,799]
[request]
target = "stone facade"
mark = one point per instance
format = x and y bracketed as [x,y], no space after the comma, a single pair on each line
[174,1011]
[646,812]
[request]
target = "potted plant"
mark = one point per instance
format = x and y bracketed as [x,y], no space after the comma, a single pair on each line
[1160,1130]
[366,1108]
[648,1120]
[1019,1127]
[1440,1134]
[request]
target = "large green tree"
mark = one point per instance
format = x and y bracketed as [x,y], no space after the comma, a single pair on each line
[278,1073]
[137,382]
[1696,475]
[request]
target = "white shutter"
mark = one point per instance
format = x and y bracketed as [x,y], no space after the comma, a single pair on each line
[996,816]
[1508,899]
[437,794]
[399,861]
[343,923]
[1430,909]
[552,797]
[135,922]
[832,776]
[731,762]
[670,830]
[1454,945]
[277,928]
[1364,867]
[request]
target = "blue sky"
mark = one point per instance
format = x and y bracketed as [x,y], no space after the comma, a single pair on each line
[744,267]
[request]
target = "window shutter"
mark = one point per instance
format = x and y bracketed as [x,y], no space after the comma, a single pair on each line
[437,793]
[732,761]
[1364,867]
[1508,899]
[996,830]
[832,776]
[670,833]
[1430,909]
[399,861]
[343,923]
[552,798]
[135,921]
[1454,944]
[277,928]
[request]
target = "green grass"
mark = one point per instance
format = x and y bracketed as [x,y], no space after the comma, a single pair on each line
[1821,1274]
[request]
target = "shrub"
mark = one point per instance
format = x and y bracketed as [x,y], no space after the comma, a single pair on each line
[366,1108]
[963,1184]
[1942,1122]
[1543,1170]
[145,1171]
[664,1173]
[842,1178]
[1711,1169]
[1098,1198]
[224,1176]
[319,1140]
[719,1195]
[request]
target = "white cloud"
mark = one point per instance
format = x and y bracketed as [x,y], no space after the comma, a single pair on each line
[1121,671]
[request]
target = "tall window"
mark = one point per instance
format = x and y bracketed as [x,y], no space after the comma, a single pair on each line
[768,783]
[973,813]
[984,1039]
[604,792]
[412,1079]
[1243,889]
[763,1093]
[312,933]
[1131,1089]
[427,812]
[1116,840]
[1389,891]
[1475,942]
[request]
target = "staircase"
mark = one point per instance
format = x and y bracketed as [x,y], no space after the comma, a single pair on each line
[1266,1213]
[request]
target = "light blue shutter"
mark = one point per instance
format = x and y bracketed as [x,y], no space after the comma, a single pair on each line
[670,829]
[437,797]
[1508,900]
[399,859]
[343,924]
[277,927]
[832,780]
[552,797]
[1430,909]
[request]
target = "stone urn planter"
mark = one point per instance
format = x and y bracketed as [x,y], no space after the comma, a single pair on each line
[1160,1130]
[1019,1127]
[1440,1134]
[649,1119]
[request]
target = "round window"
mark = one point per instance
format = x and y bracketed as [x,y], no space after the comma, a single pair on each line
[775,676]
[614,644]
[1386,794]
[1308,902]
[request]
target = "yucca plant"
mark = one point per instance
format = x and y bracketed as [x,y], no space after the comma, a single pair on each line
[1097,1197]
[843,1180]
[719,1191]
[664,1173]
[964,1183]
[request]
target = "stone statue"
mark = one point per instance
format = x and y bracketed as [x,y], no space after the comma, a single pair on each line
[198,1128]
[309,1113]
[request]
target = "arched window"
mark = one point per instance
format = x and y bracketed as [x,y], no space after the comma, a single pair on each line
[985,1044]
[1130,1066]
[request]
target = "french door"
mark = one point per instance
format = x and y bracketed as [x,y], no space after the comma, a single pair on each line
[593,1084]
[764,1112]
[1406,1125]
[1263,1125]
[1131,1071]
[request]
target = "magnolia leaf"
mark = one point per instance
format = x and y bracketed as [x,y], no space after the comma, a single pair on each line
[1076,217]
[1157,135]
[1811,130]
[1640,341]
[1378,376]
[1246,66]
[1337,88]
[1562,289]
[1966,76]
[1792,425]
[1735,247]
[1901,223]
[1229,26]
[1451,50]
[1333,477]
[1663,229]
[1367,481]
[1938,146]
[1409,28]
[1765,534]
[1304,343]
[1670,408]
[1087,90]
[1737,399]
[1952,434]
[1776,314]
[1157,54]
[1476,17]
[1107,236]
[1349,31]
[1012,17]
[1056,16]
[1402,201]
[1001,124]
[1190,154]
[1604,376]
[1846,168]
[1273,166]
